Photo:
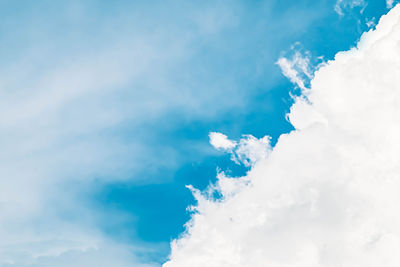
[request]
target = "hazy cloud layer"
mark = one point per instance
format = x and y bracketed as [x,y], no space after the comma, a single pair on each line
[84,87]
[70,80]
[328,192]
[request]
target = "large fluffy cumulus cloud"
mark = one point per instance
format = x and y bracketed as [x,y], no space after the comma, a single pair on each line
[328,193]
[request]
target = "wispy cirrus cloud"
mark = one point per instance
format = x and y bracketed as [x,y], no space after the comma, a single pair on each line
[297,66]
[342,5]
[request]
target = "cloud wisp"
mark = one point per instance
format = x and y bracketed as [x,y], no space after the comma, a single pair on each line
[248,151]
[342,5]
[297,66]
[327,193]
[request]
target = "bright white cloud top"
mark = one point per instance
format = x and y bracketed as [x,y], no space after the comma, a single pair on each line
[327,194]
[221,141]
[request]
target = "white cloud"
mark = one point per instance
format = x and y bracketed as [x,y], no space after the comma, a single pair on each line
[221,141]
[389,3]
[298,67]
[342,5]
[370,22]
[248,151]
[328,193]
[293,68]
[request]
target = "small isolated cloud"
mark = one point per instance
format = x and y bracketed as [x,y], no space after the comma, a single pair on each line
[342,5]
[221,141]
[389,3]
[370,22]
[327,194]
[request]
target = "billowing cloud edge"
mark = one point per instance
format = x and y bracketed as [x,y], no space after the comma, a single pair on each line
[326,193]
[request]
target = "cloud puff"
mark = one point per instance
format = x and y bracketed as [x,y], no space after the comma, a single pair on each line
[221,141]
[248,151]
[328,193]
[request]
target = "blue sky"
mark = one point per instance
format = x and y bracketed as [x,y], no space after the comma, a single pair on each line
[107,105]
